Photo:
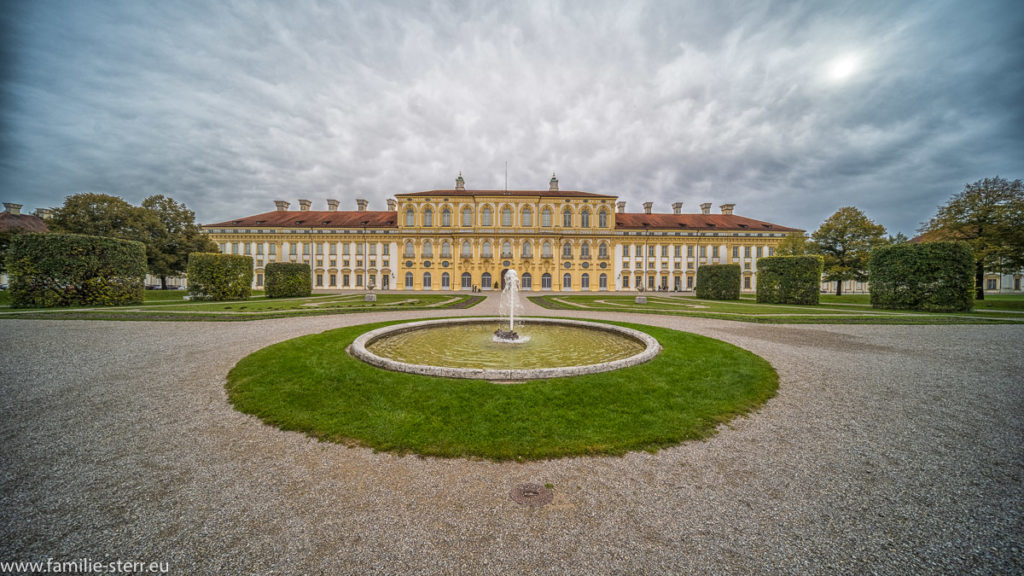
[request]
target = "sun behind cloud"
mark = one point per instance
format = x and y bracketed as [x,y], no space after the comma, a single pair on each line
[844,67]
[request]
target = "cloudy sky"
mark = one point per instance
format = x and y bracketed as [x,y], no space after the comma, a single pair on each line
[791,110]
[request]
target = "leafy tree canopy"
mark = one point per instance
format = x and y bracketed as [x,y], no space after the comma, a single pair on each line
[166,227]
[794,244]
[989,216]
[845,241]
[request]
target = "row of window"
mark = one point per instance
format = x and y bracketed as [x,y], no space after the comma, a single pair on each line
[488,281]
[507,220]
[346,281]
[487,251]
[247,249]
[677,252]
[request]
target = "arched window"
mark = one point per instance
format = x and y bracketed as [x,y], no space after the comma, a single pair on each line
[526,281]
[428,250]
[602,281]
[567,218]
[585,281]
[567,281]
[408,279]
[410,217]
[409,250]
[428,217]
[527,250]
[545,218]
[566,250]
[426,280]
[545,281]
[585,219]
[446,250]
[467,249]
[467,280]
[446,281]
[527,218]
[545,250]
[602,219]
[506,250]
[602,250]
[485,281]
[506,217]
[485,250]
[485,216]
[585,250]
[467,217]
[446,217]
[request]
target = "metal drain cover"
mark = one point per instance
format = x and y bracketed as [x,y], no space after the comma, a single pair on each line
[532,494]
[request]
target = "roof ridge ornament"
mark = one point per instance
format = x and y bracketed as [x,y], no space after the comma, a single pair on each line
[460,184]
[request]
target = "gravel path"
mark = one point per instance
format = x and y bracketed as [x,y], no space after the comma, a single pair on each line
[889,449]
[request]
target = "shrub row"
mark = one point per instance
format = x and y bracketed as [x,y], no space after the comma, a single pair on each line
[213,276]
[718,282]
[49,270]
[936,277]
[789,279]
[288,280]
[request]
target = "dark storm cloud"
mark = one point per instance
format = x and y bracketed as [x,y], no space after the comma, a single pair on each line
[229,106]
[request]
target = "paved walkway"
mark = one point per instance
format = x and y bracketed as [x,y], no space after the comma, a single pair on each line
[889,449]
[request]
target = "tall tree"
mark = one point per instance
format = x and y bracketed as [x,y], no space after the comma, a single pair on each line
[181,236]
[845,240]
[989,216]
[794,244]
[166,227]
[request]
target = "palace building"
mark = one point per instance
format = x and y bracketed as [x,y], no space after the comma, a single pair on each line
[461,239]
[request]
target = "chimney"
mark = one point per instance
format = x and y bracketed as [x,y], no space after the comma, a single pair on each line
[647,207]
[553,184]
[362,203]
[304,205]
[727,208]
[44,213]
[11,208]
[705,208]
[620,206]
[332,205]
[677,207]
[282,206]
[460,184]
[392,205]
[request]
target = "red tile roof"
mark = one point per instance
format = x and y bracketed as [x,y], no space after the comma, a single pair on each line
[695,222]
[26,222]
[313,219]
[557,193]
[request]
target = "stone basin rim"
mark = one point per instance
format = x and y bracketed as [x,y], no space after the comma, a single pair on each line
[358,348]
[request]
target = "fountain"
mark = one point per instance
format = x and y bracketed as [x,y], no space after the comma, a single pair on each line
[471,348]
[508,307]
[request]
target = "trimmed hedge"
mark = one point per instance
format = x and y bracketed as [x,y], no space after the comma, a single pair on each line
[789,279]
[213,276]
[288,280]
[936,277]
[718,282]
[49,270]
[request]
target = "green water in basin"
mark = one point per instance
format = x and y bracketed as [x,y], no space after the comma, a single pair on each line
[472,346]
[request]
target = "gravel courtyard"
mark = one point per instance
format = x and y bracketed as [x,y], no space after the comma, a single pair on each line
[889,449]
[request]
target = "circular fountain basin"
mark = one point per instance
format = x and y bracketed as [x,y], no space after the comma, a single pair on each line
[465,348]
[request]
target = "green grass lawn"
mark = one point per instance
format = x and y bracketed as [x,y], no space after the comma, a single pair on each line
[310,384]
[852,309]
[170,305]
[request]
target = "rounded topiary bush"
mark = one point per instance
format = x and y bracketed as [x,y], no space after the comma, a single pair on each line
[213,276]
[718,282]
[75,270]
[288,280]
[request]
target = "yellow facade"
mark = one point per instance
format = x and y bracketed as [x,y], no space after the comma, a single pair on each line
[462,240]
